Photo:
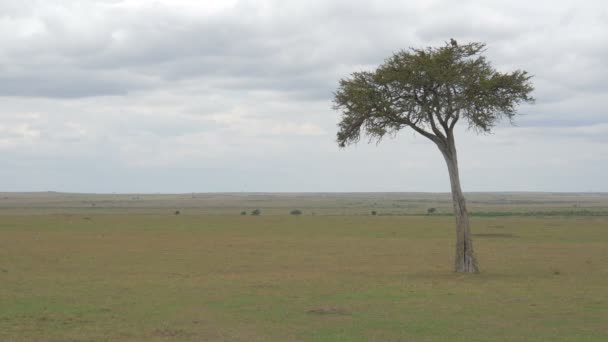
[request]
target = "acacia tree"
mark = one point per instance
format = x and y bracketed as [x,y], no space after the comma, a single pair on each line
[430,90]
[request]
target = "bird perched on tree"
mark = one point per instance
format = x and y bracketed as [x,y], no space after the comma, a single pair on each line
[453,42]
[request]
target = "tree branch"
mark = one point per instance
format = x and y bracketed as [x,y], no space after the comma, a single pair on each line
[454,120]
[426,134]
[437,132]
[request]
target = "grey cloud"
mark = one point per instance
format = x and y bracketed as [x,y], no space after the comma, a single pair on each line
[293,48]
[301,49]
[173,46]
[151,92]
[64,86]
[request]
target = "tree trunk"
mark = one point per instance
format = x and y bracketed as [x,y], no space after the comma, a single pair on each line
[465,261]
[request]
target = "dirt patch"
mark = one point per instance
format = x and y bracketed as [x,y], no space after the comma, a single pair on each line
[167,332]
[496,235]
[264,286]
[71,320]
[329,311]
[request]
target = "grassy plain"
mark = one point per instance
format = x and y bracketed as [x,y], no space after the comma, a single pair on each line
[128,269]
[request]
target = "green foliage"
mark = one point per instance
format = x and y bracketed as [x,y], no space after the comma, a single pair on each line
[431,211]
[296,212]
[429,90]
[243,213]
[374,213]
[256,212]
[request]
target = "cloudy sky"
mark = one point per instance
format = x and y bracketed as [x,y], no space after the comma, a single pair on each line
[206,96]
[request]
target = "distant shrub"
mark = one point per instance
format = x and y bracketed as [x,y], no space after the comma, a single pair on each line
[243,213]
[374,212]
[256,212]
[431,211]
[296,212]
[177,212]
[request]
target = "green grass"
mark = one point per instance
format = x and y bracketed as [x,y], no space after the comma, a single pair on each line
[95,277]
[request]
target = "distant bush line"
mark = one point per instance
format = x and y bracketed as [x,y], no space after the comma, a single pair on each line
[541,213]
[518,213]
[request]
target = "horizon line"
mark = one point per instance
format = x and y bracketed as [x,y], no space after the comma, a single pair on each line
[299,192]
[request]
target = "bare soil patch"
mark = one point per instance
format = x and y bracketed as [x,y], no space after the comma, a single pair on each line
[329,311]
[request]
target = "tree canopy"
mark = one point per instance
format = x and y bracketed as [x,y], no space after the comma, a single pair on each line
[429,90]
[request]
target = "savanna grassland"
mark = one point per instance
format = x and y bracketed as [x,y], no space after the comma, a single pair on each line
[127,268]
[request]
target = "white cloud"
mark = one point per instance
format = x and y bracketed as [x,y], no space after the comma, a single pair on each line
[245,88]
